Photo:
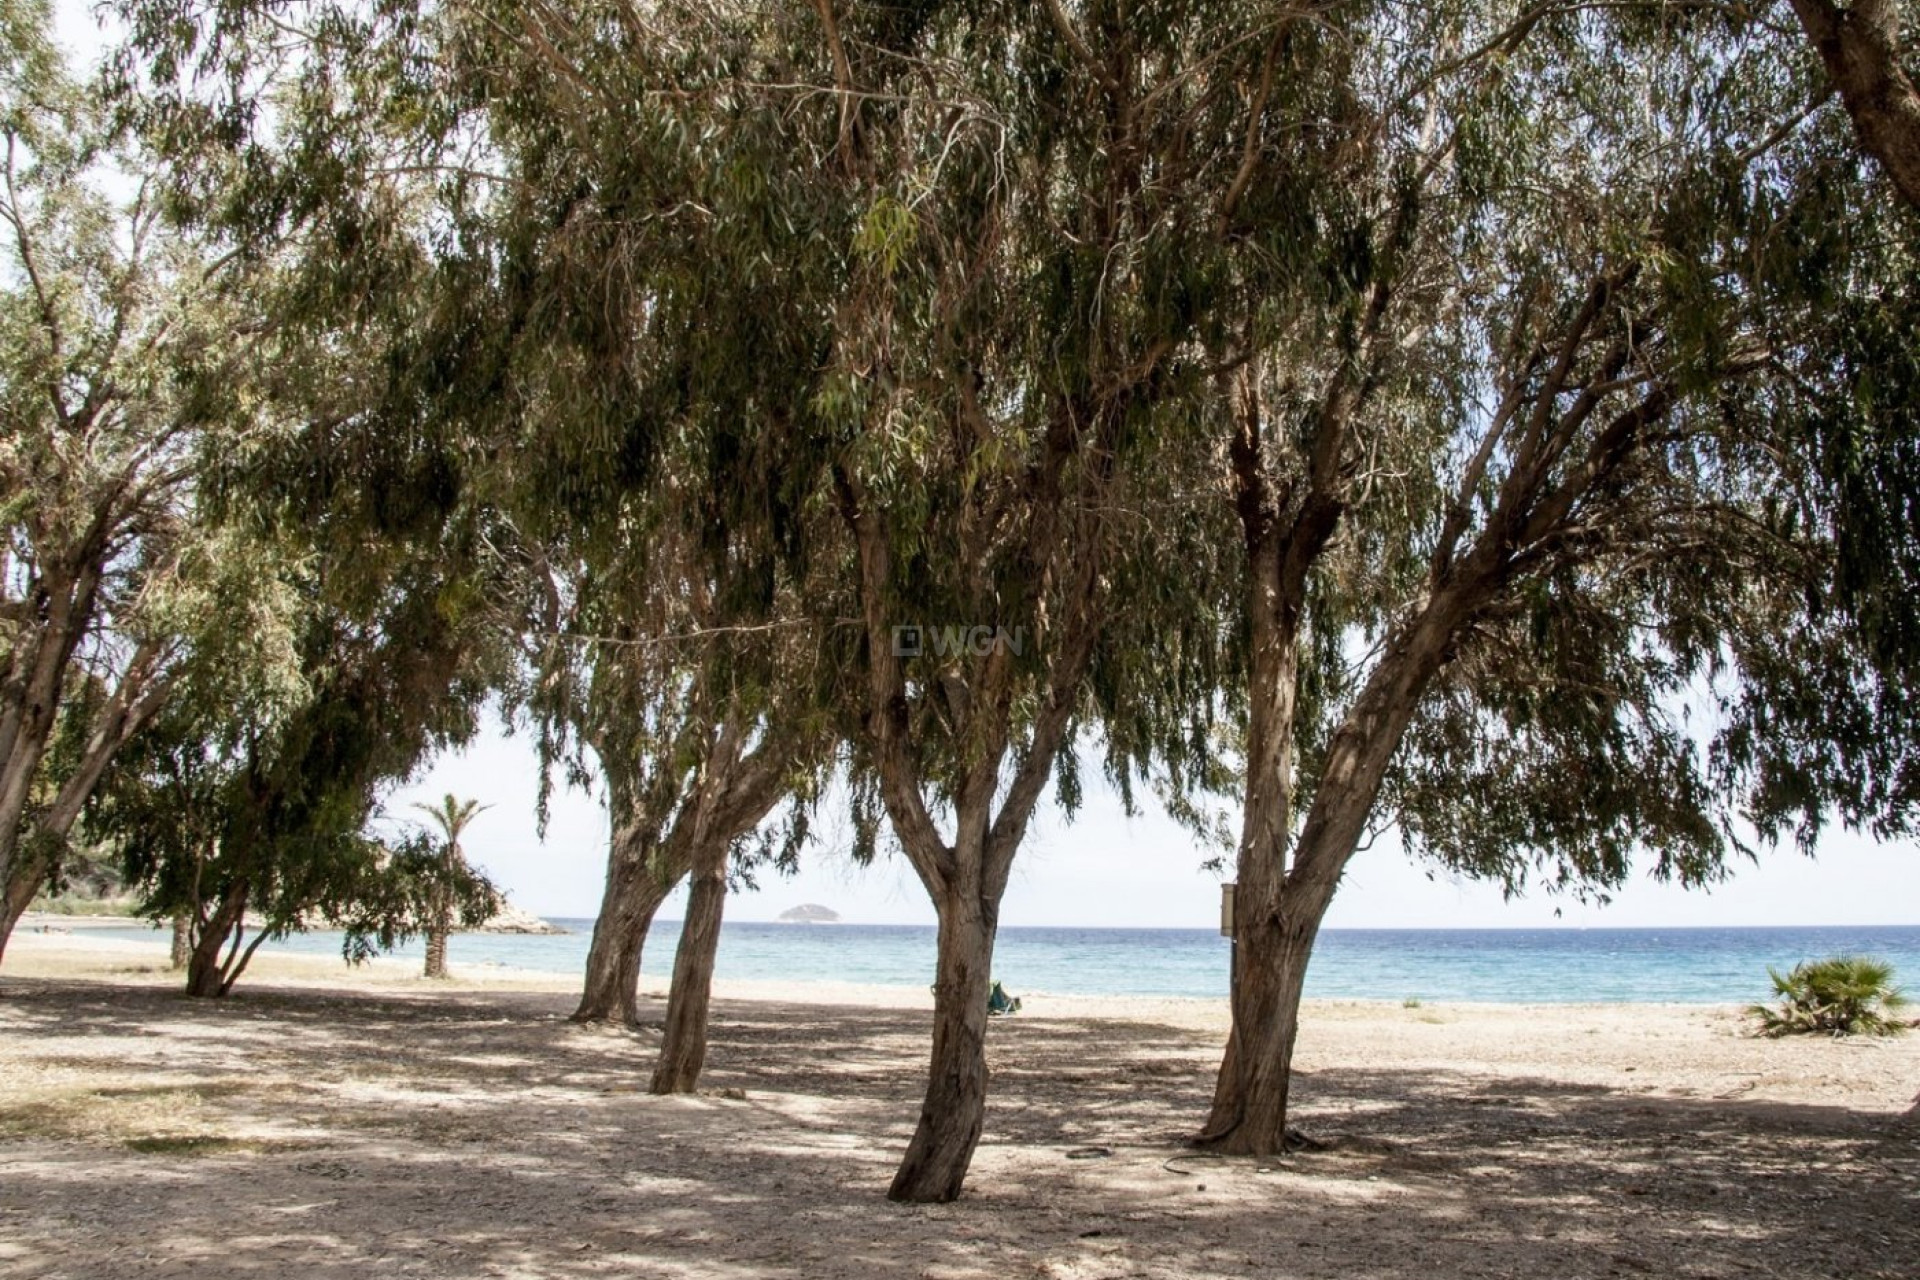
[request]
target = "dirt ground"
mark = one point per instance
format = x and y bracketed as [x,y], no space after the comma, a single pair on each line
[321,1126]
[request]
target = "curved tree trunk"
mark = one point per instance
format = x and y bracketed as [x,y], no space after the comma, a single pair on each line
[684,1051]
[640,875]
[1250,1097]
[955,1108]
[207,971]
[32,687]
[21,887]
[1273,934]
[437,950]
[1278,908]
[182,941]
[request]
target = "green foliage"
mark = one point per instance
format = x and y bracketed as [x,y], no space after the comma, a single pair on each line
[119,380]
[651,307]
[452,816]
[1840,996]
[408,887]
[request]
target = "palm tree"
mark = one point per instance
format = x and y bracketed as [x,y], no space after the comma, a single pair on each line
[452,816]
[1841,996]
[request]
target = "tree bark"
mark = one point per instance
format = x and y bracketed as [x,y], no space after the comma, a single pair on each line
[966,879]
[437,950]
[1281,902]
[1859,46]
[19,894]
[955,1108]
[1275,919]
[182,941]
[636,887]
[30,694]
[207,972]
[1251,1095]
[684,1050]
[1273,929]
[1275,934]
[134,702]
[731,797]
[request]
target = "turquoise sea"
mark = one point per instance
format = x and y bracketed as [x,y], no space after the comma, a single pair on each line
[1497,965]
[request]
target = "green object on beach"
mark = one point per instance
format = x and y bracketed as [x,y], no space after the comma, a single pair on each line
[999,1002]
[1842,996]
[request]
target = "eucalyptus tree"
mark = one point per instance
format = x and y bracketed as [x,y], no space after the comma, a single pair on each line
[681,646]
[696,730]
[325,166]
[1011,230]
[253,801]
[1475,346]
[115,380]
[1534,564]
[800,231]
[1019,355]
[666,327]
[548,344]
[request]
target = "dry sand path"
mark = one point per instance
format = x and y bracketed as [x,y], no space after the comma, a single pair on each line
[322,1124]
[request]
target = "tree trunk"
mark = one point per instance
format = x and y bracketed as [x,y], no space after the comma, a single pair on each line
[207,972]
[1859,46]
[684,1051]
[19,894]
[30,697]
[955,1108]
[635,889]
[1278,908]
[1272,935]
[182,940]
[437,949]
[16,787]
[1250,1098]
[25,865]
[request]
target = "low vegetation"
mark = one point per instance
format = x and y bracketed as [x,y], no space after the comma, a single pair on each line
[1840,996]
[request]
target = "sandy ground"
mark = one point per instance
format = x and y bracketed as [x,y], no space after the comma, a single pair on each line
[332,1124]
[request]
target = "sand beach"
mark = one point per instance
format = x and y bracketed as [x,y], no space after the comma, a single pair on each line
[329,1122]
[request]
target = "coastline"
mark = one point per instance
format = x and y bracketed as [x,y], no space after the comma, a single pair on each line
[1703,968]
[1563,1034]
[346,1122]
[71,953]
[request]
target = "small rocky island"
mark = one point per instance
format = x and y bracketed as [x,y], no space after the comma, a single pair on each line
[810,913]
[512,919]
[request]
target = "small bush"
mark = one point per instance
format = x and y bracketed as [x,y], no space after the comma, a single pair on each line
[1843,996]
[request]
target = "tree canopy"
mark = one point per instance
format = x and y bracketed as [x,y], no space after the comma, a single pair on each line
[1492,427]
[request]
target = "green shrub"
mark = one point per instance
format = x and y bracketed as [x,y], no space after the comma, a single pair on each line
[1842,996]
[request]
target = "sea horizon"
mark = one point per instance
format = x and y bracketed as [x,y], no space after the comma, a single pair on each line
[1689,964]
[590,921]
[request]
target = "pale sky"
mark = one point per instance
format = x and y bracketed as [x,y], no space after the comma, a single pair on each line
[1104,869]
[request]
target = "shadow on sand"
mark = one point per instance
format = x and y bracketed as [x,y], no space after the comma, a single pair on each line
[333,1135]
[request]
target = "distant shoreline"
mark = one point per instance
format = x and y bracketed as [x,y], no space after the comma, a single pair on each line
[586,923]
[67,956]
[1701,967]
